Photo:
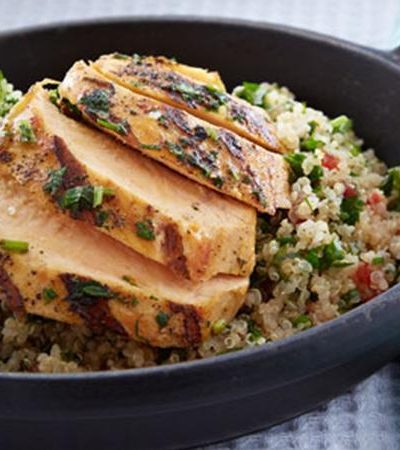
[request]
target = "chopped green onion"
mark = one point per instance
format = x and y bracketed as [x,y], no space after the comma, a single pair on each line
[310,144]
[303,321]
[341,124]
[218,326]
[120,128]
[14,246]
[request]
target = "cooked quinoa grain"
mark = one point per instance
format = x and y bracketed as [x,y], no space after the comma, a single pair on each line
[336,248]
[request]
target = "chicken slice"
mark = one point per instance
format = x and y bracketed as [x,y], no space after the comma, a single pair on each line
[160,78]
[195,231]
[203,152]
[63,269]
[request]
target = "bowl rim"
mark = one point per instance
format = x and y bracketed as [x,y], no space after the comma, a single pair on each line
[257,352]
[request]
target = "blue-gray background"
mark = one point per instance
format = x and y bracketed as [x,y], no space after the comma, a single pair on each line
[368,417]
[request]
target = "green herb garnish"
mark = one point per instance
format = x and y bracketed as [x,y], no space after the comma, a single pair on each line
[303,321]
[81,289]
[254,331]
[287,240]
[54,180]
[26,133]
[8,97]
[377,260]
[97,102]
[85,197]
[49,294]
[162,319]
[350,209]
[341,124]
[120,127]
[150,146]
[253,93]
[391,188]
[218,326]
[14,246]
[310,144]
[295,161]
[145,230]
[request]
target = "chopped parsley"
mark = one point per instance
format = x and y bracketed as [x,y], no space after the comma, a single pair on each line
[253,93]
[341,124]
[310,144]
[295,161]
[378,260]
[26,133]
[151,146]
[81,289]
[303,321]
[54,180]
[350,209]
[8,97]
[54,96]
[97,102]
[349,300]
[162,319]
[14,246]
[315,175]
[391,188]
[287,240]
[254,331]
[49,294]
[145,230]
[176,150]
[324,257]
[117,127]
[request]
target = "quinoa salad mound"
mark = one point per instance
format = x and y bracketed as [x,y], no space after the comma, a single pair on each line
[338,246]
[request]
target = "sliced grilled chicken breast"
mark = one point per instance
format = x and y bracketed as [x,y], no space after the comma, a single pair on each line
[160,78]
[63,269]
[208,154]
[195,231]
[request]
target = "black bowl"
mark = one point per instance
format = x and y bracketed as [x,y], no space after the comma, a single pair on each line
[205,401]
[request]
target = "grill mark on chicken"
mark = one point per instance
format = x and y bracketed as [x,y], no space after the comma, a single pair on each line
[191,322]
[231,144]
[75,173]
[93,310]
[12,295]
[101,84]
[173,248]
[5,157]
[146,74]
[215,162]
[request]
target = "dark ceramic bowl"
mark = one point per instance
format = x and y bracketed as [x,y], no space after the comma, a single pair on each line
[219,398]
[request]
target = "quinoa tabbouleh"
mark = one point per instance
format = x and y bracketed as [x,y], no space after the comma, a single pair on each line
[337,247]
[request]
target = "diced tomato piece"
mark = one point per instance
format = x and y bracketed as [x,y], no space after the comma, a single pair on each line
[362,279]
[375,198]
[378,203]
[330,162]
[350,191]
